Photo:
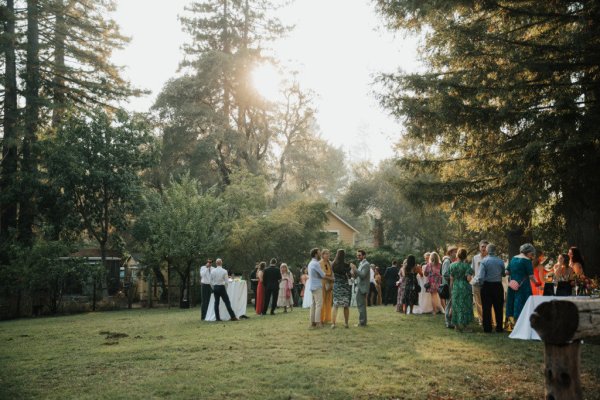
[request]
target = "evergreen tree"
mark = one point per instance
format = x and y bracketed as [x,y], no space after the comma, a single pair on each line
[8,166]
[57,56]
[509,103]
[226,40]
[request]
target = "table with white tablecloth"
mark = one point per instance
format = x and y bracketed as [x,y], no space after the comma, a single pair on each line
[238,296]
[523,329]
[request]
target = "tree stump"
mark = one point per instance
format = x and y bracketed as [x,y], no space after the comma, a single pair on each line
[561,325]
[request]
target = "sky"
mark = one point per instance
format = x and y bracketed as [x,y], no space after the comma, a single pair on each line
[337,47]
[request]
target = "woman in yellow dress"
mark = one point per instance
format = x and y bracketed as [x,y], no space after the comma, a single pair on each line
[327,287]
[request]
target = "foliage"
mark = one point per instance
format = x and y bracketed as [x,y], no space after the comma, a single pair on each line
[57,56]
[41,274]
[287,233]
[181,226]
[407,226]
[93,171]
[94,162]
[509,110]
[214,122]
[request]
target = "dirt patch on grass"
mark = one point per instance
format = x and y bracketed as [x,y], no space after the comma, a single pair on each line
[113,335]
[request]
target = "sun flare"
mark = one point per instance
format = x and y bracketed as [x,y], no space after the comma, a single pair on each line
[266,80]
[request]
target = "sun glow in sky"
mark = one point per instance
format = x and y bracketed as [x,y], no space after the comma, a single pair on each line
[267,80]
[336,48]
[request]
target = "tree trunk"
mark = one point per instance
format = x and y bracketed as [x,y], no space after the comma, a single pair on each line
[169,284]
[516,236]
[27,207]
[583,231]
[103,261]
[160,278]
[378,235]
[8,172]
[561,325]
[58,83]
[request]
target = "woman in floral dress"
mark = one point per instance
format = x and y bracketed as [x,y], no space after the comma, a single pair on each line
[563,277]
[433,272]
[462,293]
[284,298]
[342,291]
[411,293]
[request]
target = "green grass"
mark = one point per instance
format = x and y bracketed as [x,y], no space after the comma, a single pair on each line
[171,354]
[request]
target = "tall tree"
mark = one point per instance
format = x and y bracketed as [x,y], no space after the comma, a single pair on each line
[181,227]
[29,157]
[95,161]
[226,40]
[79,38]
[510,104]
[8,166]
[65,63]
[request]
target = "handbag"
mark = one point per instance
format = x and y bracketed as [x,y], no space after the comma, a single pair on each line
[418,288]
[444,291]
[427,285]
[514,285]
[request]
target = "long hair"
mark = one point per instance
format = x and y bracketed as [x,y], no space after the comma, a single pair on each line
[577,257]
[565,260]
[434,258]
[339,262]
[411,262]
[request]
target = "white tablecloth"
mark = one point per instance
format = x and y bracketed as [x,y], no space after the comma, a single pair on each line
[523,329]
[238,296]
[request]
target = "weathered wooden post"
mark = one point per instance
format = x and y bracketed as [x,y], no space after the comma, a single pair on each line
[562,324]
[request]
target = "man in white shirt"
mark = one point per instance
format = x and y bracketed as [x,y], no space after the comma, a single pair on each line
[218,281]
[315,277]
[475,263]
[205,288]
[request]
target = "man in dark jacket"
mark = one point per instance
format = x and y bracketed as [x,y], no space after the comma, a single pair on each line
[271,278]
[391,277]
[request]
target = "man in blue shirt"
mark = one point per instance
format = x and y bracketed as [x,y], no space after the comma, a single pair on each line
[491,271]
[315,275]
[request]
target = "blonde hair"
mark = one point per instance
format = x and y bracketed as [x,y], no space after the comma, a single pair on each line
[282,266]
[434,258]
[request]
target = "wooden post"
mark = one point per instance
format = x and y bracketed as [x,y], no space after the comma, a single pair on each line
[561,325]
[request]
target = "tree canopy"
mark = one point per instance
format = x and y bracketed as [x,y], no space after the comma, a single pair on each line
[508,109]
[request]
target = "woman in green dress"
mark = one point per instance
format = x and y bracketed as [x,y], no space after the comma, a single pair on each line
[462,295]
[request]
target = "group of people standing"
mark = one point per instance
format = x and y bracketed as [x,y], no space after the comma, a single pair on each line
[328,287]
[458,288]
[273,286]
[214,280]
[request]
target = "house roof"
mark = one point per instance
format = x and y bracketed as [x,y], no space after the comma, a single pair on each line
[343,221]
[93,253]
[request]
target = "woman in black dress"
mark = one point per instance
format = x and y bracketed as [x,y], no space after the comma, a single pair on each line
[412,288]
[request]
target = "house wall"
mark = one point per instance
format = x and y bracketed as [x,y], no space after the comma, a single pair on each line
[345,234]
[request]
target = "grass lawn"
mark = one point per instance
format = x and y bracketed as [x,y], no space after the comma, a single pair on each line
[171,354]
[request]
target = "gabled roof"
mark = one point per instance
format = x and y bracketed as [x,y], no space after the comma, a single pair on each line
[343,221]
